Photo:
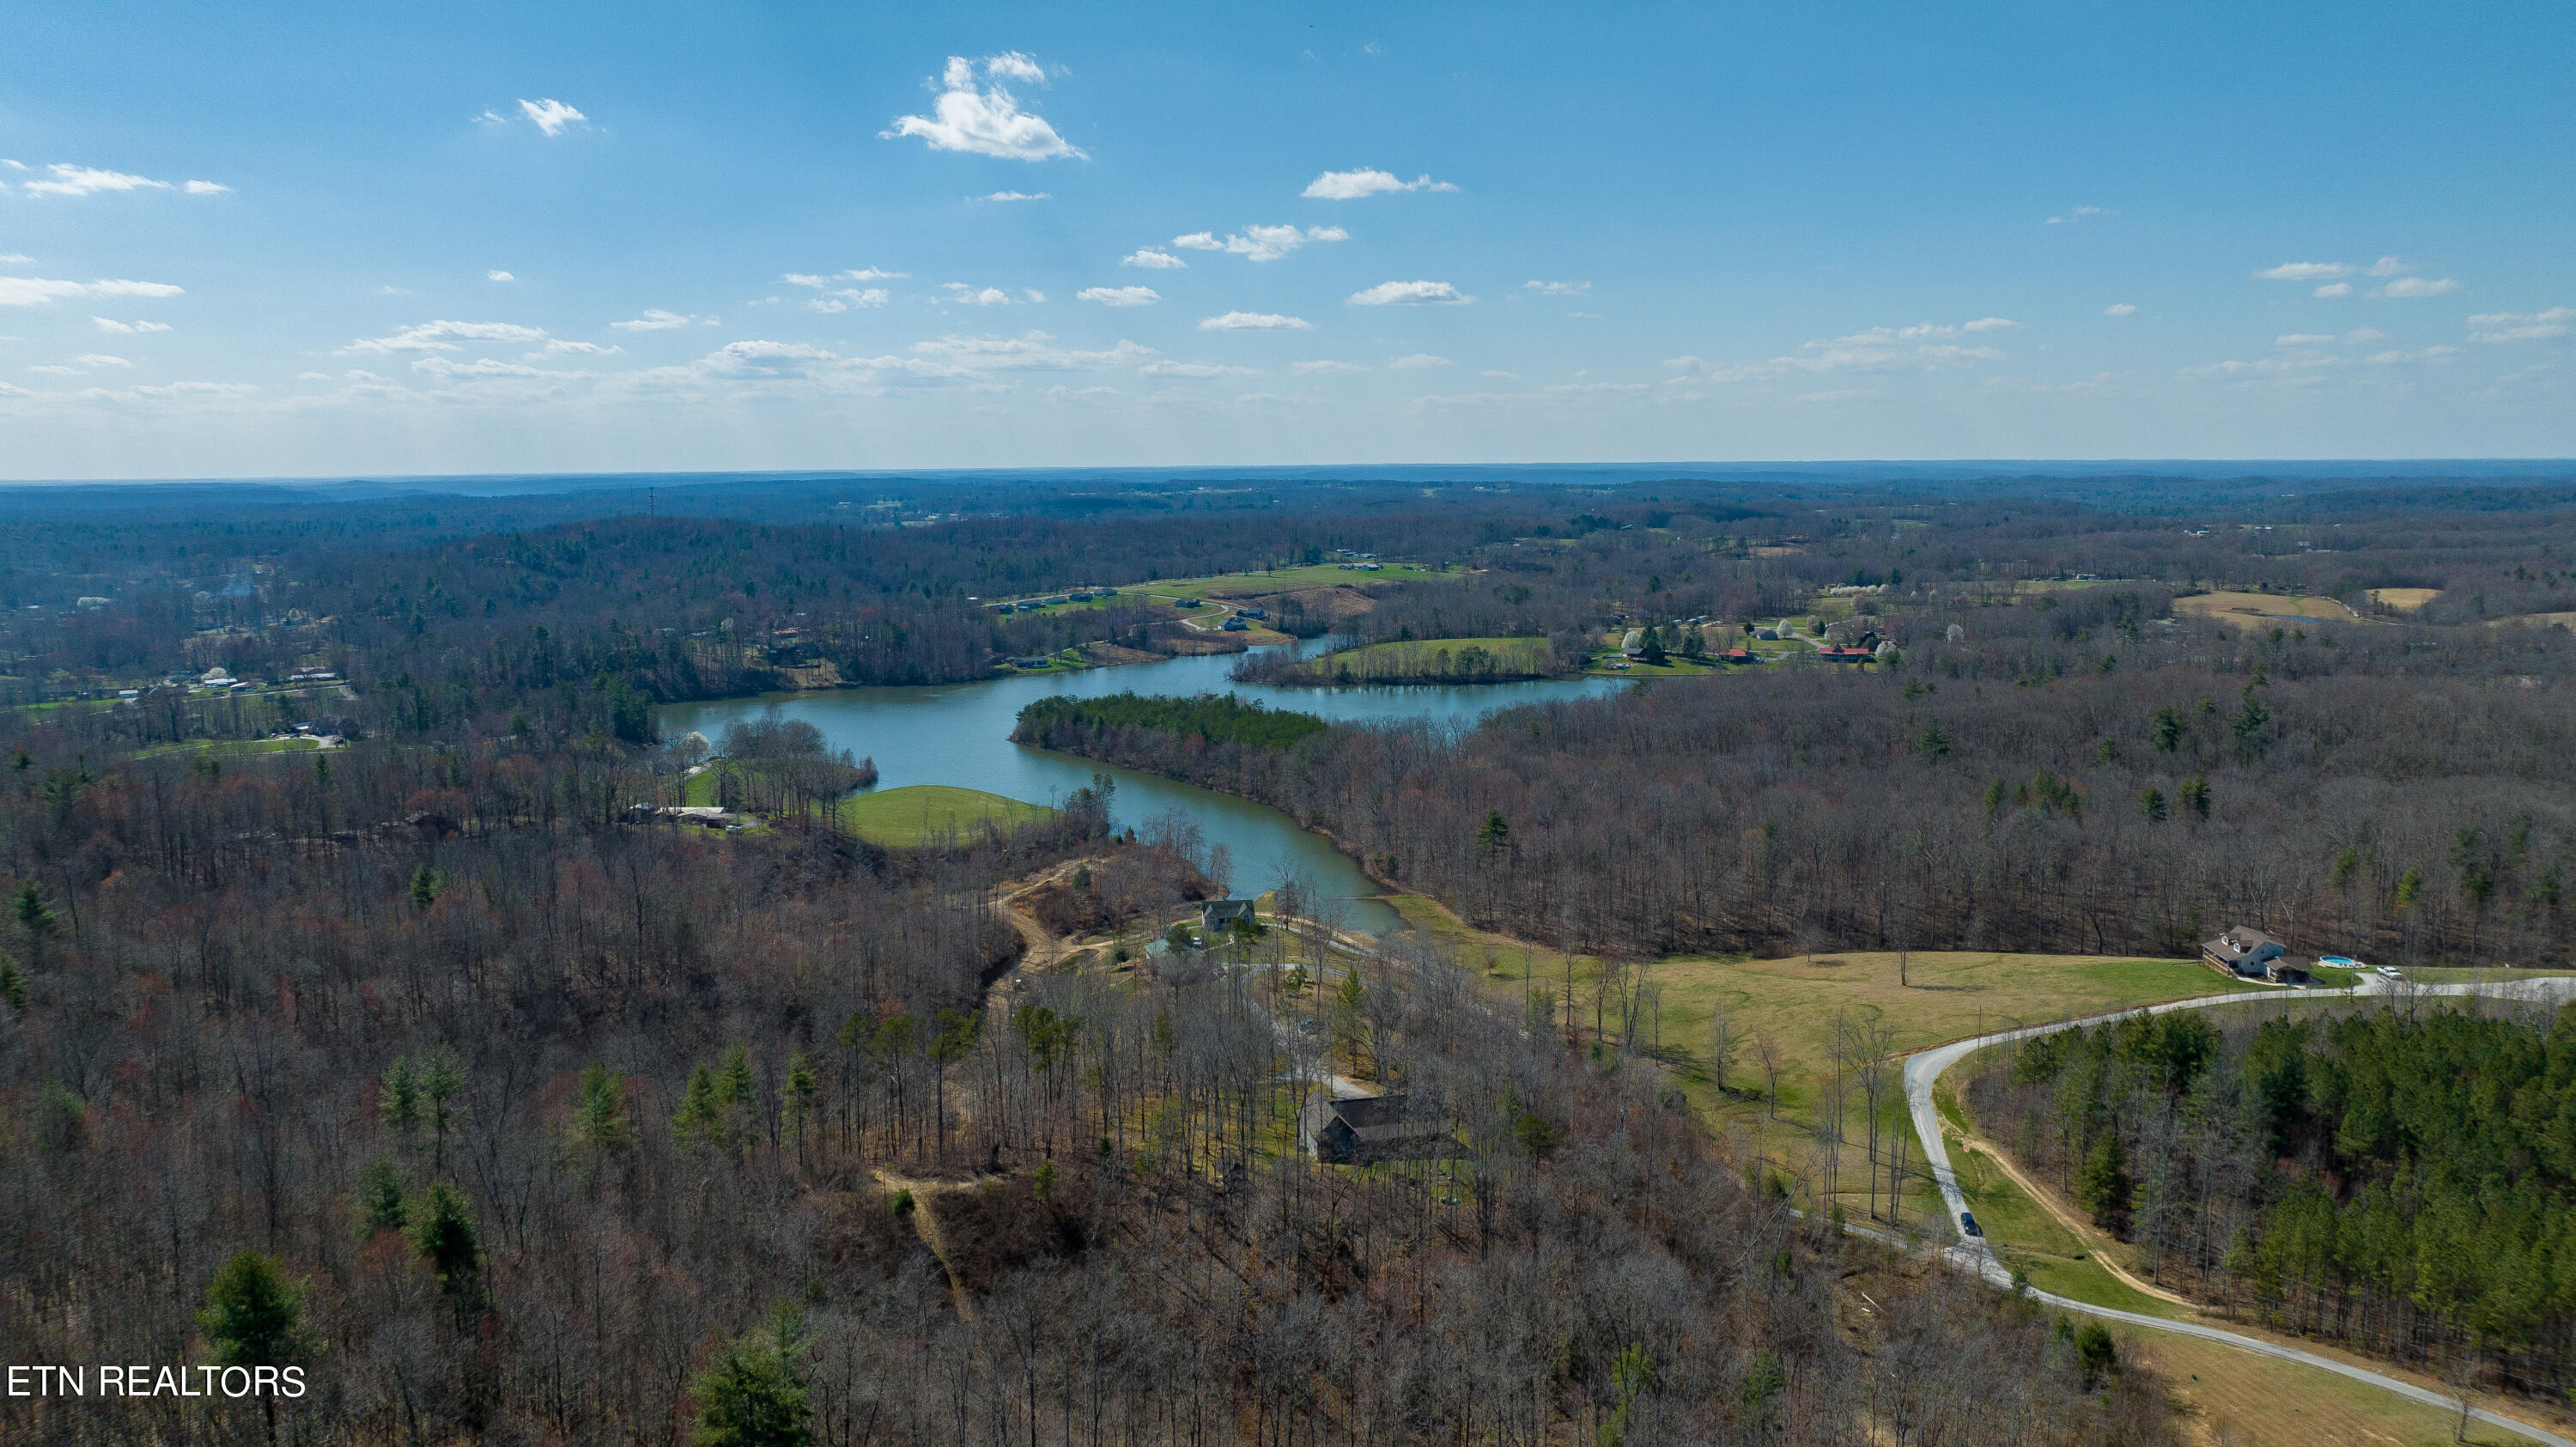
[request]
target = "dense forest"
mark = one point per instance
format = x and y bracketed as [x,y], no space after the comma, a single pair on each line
[2403,1179]
[518,1112]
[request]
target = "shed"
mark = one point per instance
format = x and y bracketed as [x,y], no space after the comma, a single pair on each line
[1370,1128]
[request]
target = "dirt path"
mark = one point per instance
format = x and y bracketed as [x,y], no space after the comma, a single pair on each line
[2083,1230]
[925,1224]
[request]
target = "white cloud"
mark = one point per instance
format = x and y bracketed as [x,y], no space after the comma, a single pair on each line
[1032,350]
[986,121]
[447,370]
[1012,65]
[1258,243]
[1324,368]
[101,359]
[865,273]
[552,116]
[1195,369]
[2365,334]
[111,324]
[1352,185]
[2416,286]
[2080,213]
[1410,293]
[1018,196]
[1847,394]
[444,337]
[2429,354]
[556,346]
[1916,348]
[1149,259]
[2519,327]
[1991,324]
[1255,322]
[2303,271]
[498,275]
[206,188]
[844,298]
[2386,266]
[654,320]
[492,117]
[965,295]
[55,371]
[2301,339]
[42,291]
[62,180]
[1502,376]
[1419,361]
[1033,294]
[2119,309]
[1557,288]
[2334,289]
[14,259]
[1119,295]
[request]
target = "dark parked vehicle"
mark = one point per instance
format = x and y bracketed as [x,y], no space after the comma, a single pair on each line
[1968,1223]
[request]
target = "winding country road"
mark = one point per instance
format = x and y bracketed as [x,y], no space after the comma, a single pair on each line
[1972,1253]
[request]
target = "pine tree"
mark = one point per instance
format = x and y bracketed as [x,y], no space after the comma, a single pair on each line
[601,1124]
[380,1197]
[754,1394]
[442,1230]
[398,1102]
[254,1317]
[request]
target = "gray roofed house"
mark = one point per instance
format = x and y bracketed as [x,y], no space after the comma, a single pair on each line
[1217,914]
[2250,954]
[1358,1131]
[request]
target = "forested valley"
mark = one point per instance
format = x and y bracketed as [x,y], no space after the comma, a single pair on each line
[439,1062]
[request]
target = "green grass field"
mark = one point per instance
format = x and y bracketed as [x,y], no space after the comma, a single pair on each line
[1309,575]
[926,813]
[1422,659]
[221,747]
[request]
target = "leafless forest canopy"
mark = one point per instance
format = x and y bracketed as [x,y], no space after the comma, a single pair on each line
[568,1128]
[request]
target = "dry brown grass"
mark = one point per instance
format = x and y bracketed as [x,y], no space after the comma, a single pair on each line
[2261,610]
[2536,620]
[2233,1396]
[2404,600]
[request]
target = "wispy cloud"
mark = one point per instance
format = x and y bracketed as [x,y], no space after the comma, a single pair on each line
[1352,185]
[2303,271]
[444,336]
[1255,322]
[2542,326]
[1018,196]
[101,359]
[1119,295]
[206,188]
[1259,243]
[657,320]
[1147,258]
[42,291]
[2079,213]
[2333,289]
[1324,368]
[1410,293]
[61,180]
[2410,286]
[1195,369]
[1922,347]
[2119,309]
[986,120]
[496,274]
[111,324]
[1991,324]
[552,116]
[1419,361]
[1557,288]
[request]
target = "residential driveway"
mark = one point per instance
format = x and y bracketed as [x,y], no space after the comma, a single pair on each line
[1972,1253]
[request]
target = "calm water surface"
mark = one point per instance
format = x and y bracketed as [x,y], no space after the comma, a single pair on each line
[960,734]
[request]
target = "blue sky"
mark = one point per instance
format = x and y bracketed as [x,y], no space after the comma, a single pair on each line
[310,239]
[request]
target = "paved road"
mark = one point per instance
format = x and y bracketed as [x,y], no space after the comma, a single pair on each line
[1972,1253]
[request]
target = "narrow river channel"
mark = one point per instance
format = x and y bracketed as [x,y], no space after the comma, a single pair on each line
[960,734]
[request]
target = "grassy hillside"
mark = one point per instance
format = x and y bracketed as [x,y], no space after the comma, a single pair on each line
[923,813]
[1437,660]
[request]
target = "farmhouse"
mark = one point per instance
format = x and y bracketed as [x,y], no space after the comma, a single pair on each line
[1374,1128]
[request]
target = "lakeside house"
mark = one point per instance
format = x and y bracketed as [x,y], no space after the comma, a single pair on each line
[1219,915]
[1369,1128]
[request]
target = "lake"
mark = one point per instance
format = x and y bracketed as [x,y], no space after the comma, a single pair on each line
[960,734]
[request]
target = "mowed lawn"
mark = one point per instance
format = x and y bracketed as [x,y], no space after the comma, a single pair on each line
[2264,1402]
[925,813]
[1422,658]
[1305,575]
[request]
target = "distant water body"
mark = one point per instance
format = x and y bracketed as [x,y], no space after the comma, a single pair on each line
[959,734]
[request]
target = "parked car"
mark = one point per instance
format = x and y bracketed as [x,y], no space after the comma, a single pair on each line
[1968,1224]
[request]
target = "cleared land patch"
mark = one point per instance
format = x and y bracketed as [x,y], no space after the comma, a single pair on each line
[1465,660]
[2261,610]
[924,813]
[2404,600]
